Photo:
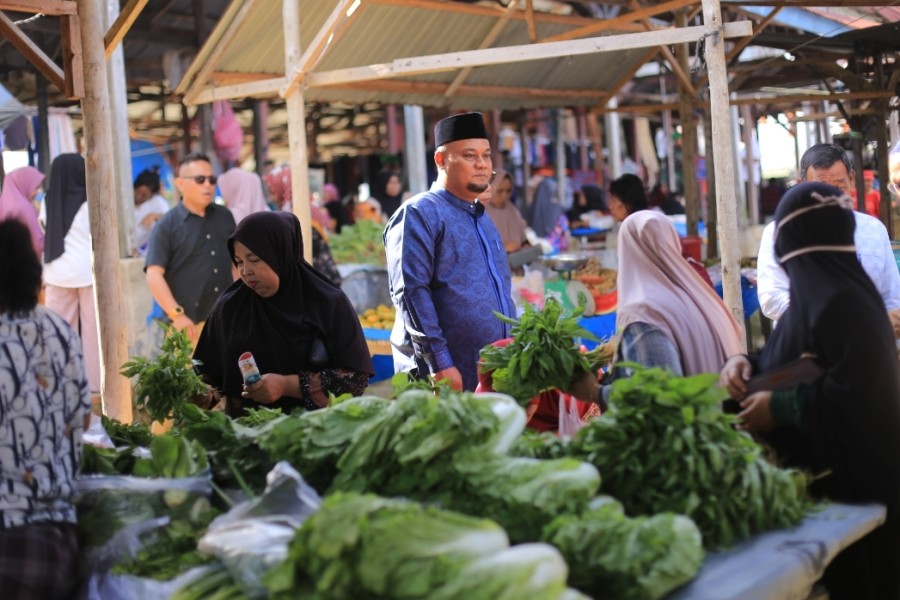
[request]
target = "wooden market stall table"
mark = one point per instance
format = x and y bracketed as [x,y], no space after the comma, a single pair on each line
[783,564]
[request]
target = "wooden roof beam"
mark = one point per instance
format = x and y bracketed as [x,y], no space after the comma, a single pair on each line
[32,52]
[683,77]
[73,66]
[213,59]
[741,44]
[485,43]
[124,21]
[53,8]
[422,65]
[606,25]
[529,20]
[488,11]
[789,99]
[316,49]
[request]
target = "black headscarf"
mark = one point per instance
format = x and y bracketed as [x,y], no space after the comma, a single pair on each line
[594,198]
[389,204]
[66,194]
[287,332]
[852,413]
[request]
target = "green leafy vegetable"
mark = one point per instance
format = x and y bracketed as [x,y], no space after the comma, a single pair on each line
[359,243]
[171,550]
[666,446]
[314,441]
[135,434]
[612,556]
[362,546]
[521,494]
[168,381]
[237,461]
[532,571]
[544,354]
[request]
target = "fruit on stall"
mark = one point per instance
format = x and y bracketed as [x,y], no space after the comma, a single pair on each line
[379,317]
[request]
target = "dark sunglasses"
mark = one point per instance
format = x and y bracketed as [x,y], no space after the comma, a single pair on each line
[201,179]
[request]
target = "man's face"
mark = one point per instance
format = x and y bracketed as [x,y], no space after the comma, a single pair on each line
[466,165]
[196,195]
[835,175]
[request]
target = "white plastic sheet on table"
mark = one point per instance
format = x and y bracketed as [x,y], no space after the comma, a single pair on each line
[783,564]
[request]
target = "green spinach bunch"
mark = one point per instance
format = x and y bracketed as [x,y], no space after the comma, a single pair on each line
[545,353]
[166,382]
[135,434]
[666,446]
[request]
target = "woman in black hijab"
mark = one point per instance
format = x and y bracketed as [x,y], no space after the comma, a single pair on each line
[388,191]
[300,328]
[844,426]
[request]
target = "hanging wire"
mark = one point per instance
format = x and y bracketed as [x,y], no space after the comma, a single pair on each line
[29,19]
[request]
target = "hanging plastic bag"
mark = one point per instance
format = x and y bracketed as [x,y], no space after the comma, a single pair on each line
[228,137]
[569,420]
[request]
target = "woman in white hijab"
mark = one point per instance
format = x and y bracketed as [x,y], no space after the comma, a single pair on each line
[242,192]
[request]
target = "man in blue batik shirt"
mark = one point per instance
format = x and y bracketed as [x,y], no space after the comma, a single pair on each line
[447,267]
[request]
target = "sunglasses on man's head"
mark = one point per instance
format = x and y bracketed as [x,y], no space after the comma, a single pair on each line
[200,179]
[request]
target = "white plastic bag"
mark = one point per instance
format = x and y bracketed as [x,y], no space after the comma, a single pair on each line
[569,420]
[254,535]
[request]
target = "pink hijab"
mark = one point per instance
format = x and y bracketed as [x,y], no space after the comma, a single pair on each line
[14,203]
[242,192]
[657,286]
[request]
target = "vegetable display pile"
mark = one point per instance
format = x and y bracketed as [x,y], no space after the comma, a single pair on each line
[233,445]
[359,243]
[451,449]
[313,442]
[107,504]
[666,446]
[544,354]
[363,546]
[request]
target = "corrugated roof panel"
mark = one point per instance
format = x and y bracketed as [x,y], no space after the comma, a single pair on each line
[382,33]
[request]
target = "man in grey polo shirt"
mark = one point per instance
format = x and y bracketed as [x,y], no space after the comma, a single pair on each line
[188,264]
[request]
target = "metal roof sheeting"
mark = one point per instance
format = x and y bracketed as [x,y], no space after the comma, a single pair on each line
[383,32]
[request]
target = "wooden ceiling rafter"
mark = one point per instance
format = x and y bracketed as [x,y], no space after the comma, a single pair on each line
[217,53]
[53,8]
[122,25]
[617,22]
[683,77]
[32,53]
[496,29]
[317,48]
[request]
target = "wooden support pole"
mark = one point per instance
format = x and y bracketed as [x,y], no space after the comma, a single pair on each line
[712,216]
[724,166]
[297,125]
[115,389]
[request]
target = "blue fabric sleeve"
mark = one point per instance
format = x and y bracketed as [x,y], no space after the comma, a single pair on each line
[411,242]
[647,345]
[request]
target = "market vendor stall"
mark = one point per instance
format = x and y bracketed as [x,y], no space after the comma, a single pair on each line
[785,563]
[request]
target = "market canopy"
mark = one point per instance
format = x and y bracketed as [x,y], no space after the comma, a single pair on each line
[454,55]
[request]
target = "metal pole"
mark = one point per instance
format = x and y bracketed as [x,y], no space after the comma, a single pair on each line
[414,157]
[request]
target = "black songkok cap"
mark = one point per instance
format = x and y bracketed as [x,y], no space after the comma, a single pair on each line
[465,126]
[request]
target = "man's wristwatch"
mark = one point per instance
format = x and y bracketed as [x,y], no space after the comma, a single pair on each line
[175,312]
